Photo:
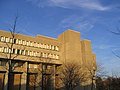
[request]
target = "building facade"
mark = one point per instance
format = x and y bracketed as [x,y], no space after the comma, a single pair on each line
[26,62]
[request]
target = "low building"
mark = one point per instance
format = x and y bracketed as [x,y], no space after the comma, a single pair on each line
[26,62]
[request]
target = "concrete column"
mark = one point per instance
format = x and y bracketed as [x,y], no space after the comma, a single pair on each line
[39,78]
[53,78]
[6,77]
[6,81]
[24,77]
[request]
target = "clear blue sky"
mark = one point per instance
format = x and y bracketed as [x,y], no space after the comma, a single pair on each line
[93,18]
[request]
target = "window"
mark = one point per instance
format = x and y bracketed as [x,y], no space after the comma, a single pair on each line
[28,43]
[5,49]
[1,49]
[38,45]
[50,46]
[57,48]
[35,44]
[44,46]
[14,41]
[41,45]
[28,53]
[47,46]
[31,44]
[17,42]
[2,38]
[9,50]
[37,54]
[13,51]
[7,39]
[54,56]
[23,52]
[41,54]
[53,47]
[18,51]
[31,53]
[24,42]
[50,55]
[34,53]
[20,41]
[45,55]
[11,40]
[57,56]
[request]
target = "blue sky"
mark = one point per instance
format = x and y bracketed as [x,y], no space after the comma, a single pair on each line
[93,18]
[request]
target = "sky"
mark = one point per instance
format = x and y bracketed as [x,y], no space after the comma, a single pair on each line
[94,19]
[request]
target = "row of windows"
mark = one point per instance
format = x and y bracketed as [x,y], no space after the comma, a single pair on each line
[28,53]
[29,43]
[33,66]
[45,67]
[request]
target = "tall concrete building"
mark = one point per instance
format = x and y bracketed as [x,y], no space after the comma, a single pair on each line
[26,61]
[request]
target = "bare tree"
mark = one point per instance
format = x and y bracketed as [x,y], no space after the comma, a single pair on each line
[9,54]
[116,32]
[100,71]
[71,75]
[91,75]
[95,72]
[10,46]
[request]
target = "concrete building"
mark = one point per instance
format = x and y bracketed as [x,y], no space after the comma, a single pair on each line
[23,57]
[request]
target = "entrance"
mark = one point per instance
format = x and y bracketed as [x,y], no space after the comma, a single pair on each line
[15,81]
[2,77]
[31,81]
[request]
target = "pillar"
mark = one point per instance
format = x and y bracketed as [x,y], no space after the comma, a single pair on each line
[24,77]
[6,77]
[53,77]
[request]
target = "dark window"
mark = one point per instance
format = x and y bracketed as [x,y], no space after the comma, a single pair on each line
[13,51]
[18,51]
[14,41]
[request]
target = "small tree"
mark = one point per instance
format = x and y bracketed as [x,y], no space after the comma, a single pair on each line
[100,75]
[72,75]
[96,72]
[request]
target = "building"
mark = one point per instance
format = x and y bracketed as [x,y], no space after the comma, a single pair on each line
[23,57]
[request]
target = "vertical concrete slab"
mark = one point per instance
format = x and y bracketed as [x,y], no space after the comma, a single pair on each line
[24,77]
[71,46]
